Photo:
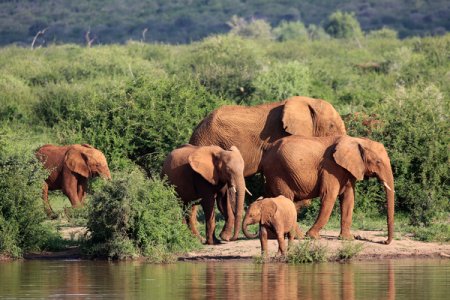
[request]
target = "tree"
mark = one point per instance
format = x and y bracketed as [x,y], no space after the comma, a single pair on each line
[343,25]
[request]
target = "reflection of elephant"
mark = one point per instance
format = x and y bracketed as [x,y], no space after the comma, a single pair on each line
[202,172]
[277,215]
[303,168]
[70,168]
[252,129]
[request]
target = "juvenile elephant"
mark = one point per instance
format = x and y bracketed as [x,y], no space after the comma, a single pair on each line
[326,167]
[254,128]
[71,166]
[203,173]
[275,216]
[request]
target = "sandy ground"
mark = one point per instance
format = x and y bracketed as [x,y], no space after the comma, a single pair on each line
[372,248]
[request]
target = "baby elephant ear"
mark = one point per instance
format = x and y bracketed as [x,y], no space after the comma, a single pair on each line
[76,162]
[349,155]
[268,210]
[203,162]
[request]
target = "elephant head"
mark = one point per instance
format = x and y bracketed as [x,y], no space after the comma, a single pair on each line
[260,211]
[223,166]
[366,158]
[311,117]
[87,161]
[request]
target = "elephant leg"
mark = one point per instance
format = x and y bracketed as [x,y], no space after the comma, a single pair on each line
[326,207]
[227,212]
[263,240]
[281,243]
[81,191]
[210,219]
[48,209]
[347,202]
[191,220]
[70,189]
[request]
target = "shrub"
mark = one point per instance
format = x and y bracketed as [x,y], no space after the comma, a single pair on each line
[343,25]
[383,33]
[225,65]
[290,31]
[255,29]
[307,252]
[280,81]
[21,209]
[132,215]
[349,250]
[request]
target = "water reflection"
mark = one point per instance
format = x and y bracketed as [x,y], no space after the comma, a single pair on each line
[426,279]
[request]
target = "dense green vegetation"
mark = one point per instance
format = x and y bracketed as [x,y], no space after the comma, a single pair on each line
[177,21]
[138,101]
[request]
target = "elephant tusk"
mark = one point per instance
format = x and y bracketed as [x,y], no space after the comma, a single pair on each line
[248,192]
[233,188]
[386,185]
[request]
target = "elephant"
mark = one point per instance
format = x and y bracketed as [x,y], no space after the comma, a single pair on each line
[304,168]
[276,215]
[70,168]
[254,128]
[205,173]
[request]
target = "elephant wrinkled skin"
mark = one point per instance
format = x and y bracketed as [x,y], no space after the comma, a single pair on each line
[205,173]
[275,216]
[327,167]
[70,168]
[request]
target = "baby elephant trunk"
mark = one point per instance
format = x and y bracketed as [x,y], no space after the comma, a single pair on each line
[245,230]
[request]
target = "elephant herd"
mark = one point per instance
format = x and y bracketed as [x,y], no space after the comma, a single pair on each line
[299,145]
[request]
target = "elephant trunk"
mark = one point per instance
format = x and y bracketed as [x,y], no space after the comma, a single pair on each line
[239,207]
[389,190]
[244,229]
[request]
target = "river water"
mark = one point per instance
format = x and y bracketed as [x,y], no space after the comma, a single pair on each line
[77,279]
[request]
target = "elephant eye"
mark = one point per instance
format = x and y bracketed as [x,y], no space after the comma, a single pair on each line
[378,161]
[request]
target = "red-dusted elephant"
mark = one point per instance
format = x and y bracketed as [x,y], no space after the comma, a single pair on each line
[70,168]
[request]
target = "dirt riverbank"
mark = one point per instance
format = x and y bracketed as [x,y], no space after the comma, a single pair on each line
[372,248]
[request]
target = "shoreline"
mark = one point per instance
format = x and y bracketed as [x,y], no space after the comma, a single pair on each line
[246,250]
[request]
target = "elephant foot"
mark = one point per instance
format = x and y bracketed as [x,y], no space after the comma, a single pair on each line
[225,236]
[213,241]
[346,237]
[313,234]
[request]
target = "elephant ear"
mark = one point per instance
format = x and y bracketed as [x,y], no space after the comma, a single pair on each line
[298,116]
[76,162]
[268,210]
[349,154]
[203,162]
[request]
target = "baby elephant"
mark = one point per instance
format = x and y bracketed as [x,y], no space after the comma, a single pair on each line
[276,216]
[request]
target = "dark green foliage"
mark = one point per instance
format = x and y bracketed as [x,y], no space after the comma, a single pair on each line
[290,31]
[132,215]
[21,209]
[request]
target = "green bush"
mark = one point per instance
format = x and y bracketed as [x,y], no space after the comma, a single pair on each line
[21,209]
[132,215]
[307,252]
[343,25]
[290,31]
[280,81]
[225,65]
[255,29]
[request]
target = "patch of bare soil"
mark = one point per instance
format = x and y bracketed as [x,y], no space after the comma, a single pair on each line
[371,240]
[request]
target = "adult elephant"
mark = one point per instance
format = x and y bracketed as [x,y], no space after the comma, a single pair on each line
[70,168]
[327,167]
[207,173]
[254,128]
